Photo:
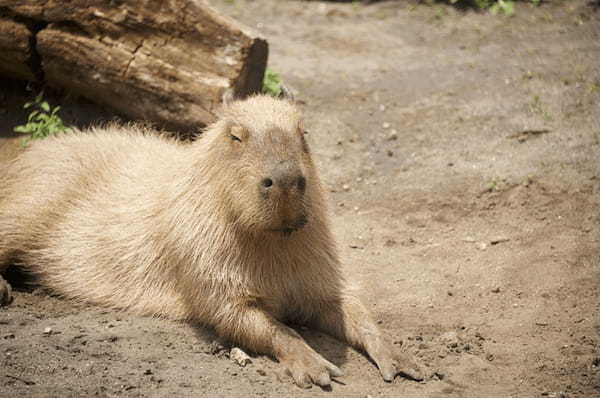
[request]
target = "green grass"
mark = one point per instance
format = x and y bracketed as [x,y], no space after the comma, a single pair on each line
[492,185]
[504,7]
[42,122]
[271,83]
[536,106]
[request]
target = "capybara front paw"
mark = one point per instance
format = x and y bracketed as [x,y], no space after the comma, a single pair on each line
[402,364]
[5,293]
[311,368]
[392,362]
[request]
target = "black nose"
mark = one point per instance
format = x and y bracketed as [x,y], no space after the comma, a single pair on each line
[285,176]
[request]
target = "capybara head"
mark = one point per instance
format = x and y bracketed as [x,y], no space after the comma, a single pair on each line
[268,178]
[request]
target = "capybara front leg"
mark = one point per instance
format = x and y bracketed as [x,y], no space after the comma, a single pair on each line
[260,332]
[348,320]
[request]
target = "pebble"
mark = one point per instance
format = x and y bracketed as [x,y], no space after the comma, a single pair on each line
[240,357]
[386,125]
[450,339]
[48,330]
[495,241]
[496,290]
[346,187]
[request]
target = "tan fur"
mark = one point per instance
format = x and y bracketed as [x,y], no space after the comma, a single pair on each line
[123,218]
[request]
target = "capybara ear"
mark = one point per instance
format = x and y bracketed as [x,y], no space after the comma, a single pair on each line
[287,93]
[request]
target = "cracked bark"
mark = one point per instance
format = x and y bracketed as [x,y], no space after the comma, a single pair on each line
[170,62]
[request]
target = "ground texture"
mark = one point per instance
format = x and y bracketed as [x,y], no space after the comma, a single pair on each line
[462,156]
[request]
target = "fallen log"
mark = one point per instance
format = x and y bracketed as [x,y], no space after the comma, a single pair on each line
[167,61]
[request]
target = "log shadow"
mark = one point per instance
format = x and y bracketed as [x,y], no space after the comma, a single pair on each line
[75,110]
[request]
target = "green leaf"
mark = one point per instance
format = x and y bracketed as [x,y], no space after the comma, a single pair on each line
[26,129]
[32,115]
[271,83]
[508,7]
[41,122]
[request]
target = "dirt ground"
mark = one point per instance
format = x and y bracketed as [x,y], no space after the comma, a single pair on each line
[462,155]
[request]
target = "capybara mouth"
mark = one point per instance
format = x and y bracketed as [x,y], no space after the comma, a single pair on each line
[296,226]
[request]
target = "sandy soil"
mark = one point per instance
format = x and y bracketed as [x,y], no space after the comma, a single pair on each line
[462,155]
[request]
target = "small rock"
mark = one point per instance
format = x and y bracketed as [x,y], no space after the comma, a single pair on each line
[381,107]
[261,372]
[346,187]
[495,241]
[216,348]
[240,357]
[390,243]
[481,246]
[390,153]
[496,290]
[386,125]
[48,331]
[450,339]
[147,372]
[393,135]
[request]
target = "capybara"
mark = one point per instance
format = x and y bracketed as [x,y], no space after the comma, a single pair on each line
[229,231]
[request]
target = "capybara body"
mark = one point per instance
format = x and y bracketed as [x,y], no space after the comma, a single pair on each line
[230,231]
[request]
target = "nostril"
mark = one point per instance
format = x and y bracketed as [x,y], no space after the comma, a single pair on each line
[301,183]
[267,182]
